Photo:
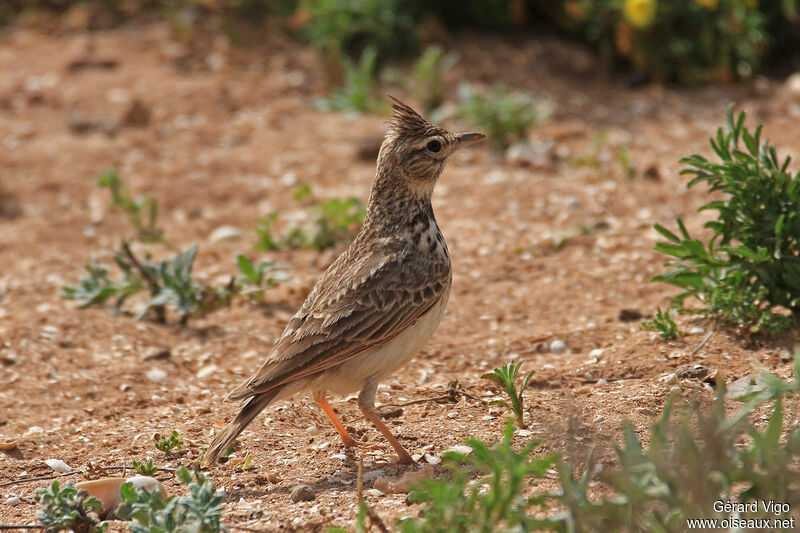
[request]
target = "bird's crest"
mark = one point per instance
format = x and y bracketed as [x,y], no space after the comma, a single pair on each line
[408,123]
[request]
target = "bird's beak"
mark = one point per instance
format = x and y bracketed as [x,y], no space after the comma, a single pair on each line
[463,139]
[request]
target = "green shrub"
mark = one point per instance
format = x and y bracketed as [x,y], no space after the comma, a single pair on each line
[685,40]
[334,221]
[751,263]
[359,88]
[69,509]
[347,26]
[504,115]
[695,457]
[495,501]
[169,283]
[200,511]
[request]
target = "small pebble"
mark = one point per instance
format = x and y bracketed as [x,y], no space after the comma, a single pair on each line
[452,414]
[207,371]
[302,493]
[375,492]
[224,233]
[602,381]
[558,346]
[58,465]
[13,500]
[596,353]
[339,456]
[461,448]
[432,459]
[157,375]
[696,331]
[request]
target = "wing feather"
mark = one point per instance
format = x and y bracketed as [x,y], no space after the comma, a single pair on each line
[377,298]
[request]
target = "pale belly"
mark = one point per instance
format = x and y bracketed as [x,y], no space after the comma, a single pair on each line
[373,365]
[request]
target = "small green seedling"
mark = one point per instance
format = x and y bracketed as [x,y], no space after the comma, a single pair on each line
[505,377]
[145,469]
[69,509]
[142,211]
[257,279]
[664,324]
[334,221]
[168,444]
[200,511]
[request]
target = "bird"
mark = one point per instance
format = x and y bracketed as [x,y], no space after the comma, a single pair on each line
[378,302]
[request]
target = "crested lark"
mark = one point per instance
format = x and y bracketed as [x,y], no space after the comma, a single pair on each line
[378,303]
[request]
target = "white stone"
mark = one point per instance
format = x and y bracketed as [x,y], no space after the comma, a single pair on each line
[375,492]
[157,375]
[558,346]
[432,459]
[461,448]
[207,371]
[225,233]
[58,465]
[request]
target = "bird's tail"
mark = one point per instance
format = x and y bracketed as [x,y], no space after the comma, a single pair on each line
[246,414]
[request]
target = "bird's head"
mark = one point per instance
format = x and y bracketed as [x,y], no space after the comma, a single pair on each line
[416,151]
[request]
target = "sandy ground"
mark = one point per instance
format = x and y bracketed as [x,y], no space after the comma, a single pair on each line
[541,253]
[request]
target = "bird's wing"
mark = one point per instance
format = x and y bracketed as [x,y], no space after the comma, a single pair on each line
[372,301]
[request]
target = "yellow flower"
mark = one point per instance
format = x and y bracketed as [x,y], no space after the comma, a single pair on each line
[640,13]
[708,4]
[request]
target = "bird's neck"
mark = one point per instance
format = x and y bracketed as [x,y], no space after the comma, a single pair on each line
[393,204]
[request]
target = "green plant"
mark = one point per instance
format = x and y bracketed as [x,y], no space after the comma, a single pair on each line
[496,501]
[69,509]
[257,279]
[358,90]
[200,511]
[506,378]
[505,115]
[664,324]
[145,469]
[333,222]
[339,27]
[176,287]
[142,211]
[692,460]
[695,457]
[169,443]
[170,283]
[751,264]
[429,70]
[98,287]
[685,40]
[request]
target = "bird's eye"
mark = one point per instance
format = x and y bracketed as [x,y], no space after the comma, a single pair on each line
[434,146]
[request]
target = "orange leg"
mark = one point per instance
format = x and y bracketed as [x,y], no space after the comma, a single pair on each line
[404,457]
[346,438]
